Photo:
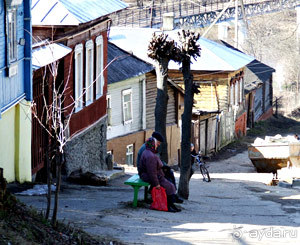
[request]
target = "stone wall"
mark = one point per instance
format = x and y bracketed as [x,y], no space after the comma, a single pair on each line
[87,150]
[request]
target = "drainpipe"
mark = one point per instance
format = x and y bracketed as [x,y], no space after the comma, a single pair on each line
[28,50]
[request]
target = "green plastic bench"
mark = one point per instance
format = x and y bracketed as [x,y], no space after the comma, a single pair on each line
[136,184]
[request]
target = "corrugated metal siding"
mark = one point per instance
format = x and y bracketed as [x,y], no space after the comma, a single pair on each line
[268,95]
[88,10]
[115,91]
[258,103]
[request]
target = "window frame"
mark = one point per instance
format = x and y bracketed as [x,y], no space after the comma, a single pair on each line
[99,66]
[232,94]
[129,154]
[236,93]
[108,108]
[78,80]
[124,105]
[241,90]
[111,153]
[89,72]
[12,34]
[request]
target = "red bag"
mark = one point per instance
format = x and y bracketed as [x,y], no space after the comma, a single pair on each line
[159,198]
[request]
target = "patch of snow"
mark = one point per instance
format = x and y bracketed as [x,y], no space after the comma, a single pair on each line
[37,190]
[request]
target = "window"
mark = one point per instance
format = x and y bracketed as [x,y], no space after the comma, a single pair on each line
[231,94]
[89,74]
[108,107]
[127,106]
[236,93]
[99,67]
[78,82]
[12,34]
[111,154]
[129,154]
[241,90]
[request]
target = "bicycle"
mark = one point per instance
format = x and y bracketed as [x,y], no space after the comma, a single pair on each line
[203,169]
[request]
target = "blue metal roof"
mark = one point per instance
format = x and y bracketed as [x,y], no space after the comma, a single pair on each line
[124,65]
[88,10]
[72,12]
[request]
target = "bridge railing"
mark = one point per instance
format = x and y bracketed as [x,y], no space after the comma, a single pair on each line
[151,15]
[148,15]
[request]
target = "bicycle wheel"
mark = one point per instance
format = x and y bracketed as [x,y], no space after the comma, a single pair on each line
[204,173]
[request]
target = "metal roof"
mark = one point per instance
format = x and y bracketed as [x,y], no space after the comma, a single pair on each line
[214,56]
[261,70]
[124,65]
[88,10]
[48,54]
[72,12]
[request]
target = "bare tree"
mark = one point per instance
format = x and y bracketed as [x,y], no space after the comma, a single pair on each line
[189,49]
[54,123]
[162,50]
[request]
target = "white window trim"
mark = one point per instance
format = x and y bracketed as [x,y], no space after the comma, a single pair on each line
[108,107]
[236,93]
[78,80]
[125,92]
[241,90]
[99,67]
[89,76]
[231,94]
[129,153]
[12,35]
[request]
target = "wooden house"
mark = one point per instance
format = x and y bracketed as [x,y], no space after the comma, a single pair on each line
[258,92]
[15,90]
[220,113]
[131,99]
[258,80]
[82,26]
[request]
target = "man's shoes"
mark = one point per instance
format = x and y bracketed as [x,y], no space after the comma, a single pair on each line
[178,199]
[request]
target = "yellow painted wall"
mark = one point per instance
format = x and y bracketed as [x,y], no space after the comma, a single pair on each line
[7,144]
[15,143]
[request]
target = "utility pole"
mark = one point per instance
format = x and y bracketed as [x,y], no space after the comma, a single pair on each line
[218,17]
[151,14]
[236,33]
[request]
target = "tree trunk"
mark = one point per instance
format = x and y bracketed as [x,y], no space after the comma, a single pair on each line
[185,168]
[58,182]
[161,106]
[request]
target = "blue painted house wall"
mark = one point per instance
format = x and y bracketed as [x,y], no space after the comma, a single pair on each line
[19,86]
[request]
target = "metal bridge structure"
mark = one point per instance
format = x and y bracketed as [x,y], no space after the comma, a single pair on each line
[196,13]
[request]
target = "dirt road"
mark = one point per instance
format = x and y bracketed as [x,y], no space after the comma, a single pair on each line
[237,207]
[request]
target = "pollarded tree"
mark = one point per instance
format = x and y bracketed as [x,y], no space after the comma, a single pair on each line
[189,49]
[162,50]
